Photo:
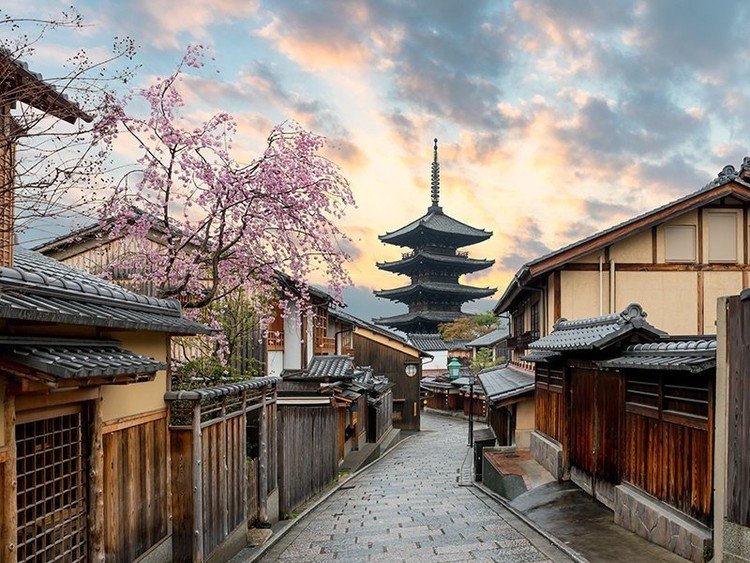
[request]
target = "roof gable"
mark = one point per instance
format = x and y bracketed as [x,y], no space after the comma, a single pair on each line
[729,183]
[597,333]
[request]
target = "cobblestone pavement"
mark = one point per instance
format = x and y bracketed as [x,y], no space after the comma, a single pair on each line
[409,507]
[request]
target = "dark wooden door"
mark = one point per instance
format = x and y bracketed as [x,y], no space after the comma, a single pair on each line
[582,417]
[595,420]
[607,427]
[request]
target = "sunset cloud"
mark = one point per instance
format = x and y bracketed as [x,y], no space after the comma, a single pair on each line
[556,118]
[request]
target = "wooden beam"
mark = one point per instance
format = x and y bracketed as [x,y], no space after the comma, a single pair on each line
[96,485]
[263,464]
[557,281]
[700,236]
[653,245]
[745,234]
[197,475]
[701,311]
[29,402]
[670,267]
[134,420]
[10,486]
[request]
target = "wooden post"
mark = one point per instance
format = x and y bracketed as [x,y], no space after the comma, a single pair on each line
[263,463]
[10,486]
[197,484]
[96,485]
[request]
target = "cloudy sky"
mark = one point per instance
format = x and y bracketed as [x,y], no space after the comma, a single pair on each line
[556,118]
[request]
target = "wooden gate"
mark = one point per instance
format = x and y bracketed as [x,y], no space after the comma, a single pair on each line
[595,420]
[52,486]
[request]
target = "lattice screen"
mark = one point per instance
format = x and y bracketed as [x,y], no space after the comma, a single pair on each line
[52,495]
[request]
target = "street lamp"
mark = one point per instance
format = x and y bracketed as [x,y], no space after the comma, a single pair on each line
[471,410]
[454,368]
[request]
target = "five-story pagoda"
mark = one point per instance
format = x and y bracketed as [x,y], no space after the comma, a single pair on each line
[434,266]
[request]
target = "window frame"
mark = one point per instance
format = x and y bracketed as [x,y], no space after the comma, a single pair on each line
[694,259]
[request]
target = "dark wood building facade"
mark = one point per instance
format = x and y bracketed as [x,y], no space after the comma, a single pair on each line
[626,412]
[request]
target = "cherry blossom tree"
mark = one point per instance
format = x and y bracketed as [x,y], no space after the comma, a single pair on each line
[264,227]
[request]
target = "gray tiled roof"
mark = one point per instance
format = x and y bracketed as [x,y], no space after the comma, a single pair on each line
[428,342]
[490,338]
[540,356]
[505,382]
[462,263]
[597,332]
[433,316]
[693,355]
[439,222]
[428,382]
[222,390]
[330,366]
[436,287]
[38,288]
[77,359]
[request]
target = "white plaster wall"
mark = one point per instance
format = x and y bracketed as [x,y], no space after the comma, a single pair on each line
[292,339]
[275,362]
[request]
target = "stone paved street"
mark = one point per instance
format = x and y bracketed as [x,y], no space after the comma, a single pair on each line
[409,507]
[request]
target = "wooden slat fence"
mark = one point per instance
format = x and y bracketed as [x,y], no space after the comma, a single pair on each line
[738,431]
[135,489]
[550,416]
[308,448]
[381,417]
[667,451]
[253,504]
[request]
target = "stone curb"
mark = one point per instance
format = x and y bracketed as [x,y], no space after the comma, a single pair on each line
[261,550]
[569,551]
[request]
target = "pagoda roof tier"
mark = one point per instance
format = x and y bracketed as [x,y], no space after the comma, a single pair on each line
[456,291]
[436,227]
[459,263]
[408,322]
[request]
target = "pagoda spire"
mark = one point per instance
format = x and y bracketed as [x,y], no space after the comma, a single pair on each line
[435,184]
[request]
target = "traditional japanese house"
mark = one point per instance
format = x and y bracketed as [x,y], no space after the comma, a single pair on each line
[294,337]
[675,260]
[390,356]
[434,266]
[496,341]
[321,422]
[93,249]
[626,413]
[509,394]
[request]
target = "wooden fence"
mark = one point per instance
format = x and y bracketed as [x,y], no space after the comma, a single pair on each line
[135,487]
[738,435]
[381,417]
[308,446]
[208,431]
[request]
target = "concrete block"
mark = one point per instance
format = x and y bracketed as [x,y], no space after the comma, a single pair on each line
[662,524]
[547,453]
[736,542]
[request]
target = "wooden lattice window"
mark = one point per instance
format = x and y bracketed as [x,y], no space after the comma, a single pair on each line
[322,342]
[52,488]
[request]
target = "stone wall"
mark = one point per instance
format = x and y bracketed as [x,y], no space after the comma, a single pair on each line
[736,543]
[662,524]
[547,453]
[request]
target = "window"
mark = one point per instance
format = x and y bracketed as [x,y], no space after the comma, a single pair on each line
[518,323]
[535,320]
[679,243]
[722,237]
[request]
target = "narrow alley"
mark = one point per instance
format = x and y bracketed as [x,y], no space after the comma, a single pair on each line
[410,507]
